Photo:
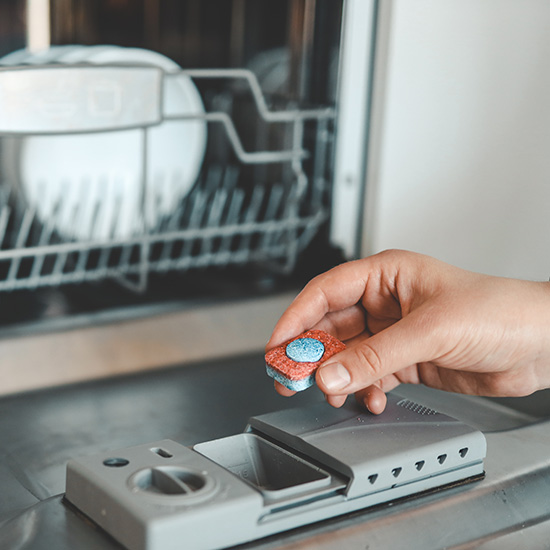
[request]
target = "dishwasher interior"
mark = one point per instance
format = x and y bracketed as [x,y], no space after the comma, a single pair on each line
[42,431]
[184,154]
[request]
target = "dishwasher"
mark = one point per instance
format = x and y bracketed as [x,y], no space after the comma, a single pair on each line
[171,173]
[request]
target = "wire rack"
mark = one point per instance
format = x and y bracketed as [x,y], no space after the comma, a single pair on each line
[246,206]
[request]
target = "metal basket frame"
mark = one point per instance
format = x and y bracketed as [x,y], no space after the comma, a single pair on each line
[217,224]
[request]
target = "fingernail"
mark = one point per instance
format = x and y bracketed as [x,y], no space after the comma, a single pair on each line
[334,376]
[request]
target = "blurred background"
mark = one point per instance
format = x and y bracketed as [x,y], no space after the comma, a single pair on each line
[289,136]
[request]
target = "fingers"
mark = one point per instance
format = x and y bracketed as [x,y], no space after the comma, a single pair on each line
[336,290]
[336,400]
[344,324]
[282,390]
[373,398]
[370,283]
[371,359]
[354,301]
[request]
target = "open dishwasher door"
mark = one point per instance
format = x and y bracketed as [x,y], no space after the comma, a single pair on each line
[290,468]
[212,402]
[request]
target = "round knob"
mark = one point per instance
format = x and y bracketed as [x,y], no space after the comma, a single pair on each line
[170,481]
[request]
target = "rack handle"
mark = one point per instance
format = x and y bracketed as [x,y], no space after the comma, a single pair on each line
[76,99]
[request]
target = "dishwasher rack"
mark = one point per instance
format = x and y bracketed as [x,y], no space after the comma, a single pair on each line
[227,218]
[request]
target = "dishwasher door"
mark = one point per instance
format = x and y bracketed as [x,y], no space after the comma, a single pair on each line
[42,430]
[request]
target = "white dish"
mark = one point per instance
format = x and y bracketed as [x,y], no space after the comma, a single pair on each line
[73,52]
[14,58]
[49,55]
[90,186]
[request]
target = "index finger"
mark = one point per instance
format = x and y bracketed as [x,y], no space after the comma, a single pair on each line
[337,289]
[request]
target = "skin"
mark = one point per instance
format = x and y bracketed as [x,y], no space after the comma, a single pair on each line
[408,318]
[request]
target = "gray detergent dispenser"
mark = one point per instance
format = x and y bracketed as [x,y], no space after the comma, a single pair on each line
[288,469]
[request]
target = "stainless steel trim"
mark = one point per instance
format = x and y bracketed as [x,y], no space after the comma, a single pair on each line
[355,82]
[118,347]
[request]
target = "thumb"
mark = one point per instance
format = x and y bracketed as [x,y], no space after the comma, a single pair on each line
[370,359]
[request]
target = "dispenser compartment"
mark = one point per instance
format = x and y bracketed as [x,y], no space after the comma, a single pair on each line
[407,444]
[288,469]
[275,472]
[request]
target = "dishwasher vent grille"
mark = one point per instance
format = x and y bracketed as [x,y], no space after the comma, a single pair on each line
[416,407]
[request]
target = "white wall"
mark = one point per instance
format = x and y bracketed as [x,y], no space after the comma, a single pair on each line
[460,159]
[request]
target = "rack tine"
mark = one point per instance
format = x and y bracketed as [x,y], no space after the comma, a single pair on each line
[320,163]
[45,236]
[231,219]
[22,236]
[5,193]
[61,260]
[218,204]
[91,232]
[4,220]
[273,205]
[168,245]
[108,199]
[235,200]
[80,272]
[250,216]
[197,214]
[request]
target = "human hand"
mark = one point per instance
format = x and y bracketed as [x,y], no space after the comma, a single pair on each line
[408,318]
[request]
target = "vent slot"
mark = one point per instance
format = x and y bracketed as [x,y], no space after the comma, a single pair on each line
[162,452]
[463,452]
[396,472]
[442,458]
[420,464]
[373,478]
[416,407]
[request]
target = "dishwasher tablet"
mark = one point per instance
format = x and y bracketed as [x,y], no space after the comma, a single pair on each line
[293,364]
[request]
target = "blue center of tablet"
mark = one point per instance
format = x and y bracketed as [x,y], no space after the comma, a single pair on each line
[305,350]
